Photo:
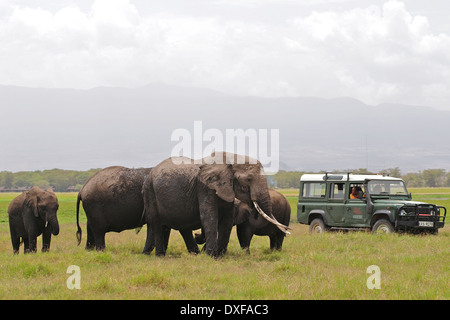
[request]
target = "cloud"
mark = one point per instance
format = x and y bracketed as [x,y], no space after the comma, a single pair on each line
[376,54]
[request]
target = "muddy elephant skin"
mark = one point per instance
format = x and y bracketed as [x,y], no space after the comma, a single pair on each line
[184,194]
[112,200]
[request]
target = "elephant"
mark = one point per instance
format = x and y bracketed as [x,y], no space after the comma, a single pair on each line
[248,222]
[31,214]
[186,194]
[112,201]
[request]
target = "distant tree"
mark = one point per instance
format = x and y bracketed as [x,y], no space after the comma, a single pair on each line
[414,179]
[21,179]
[285,179]
[434,177]
[360,171]
[43,184]
[392,172]
[447,180]
[8,179]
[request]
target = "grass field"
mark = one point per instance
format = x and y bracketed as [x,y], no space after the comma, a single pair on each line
[326,266]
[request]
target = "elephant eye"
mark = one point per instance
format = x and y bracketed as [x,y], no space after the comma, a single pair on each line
[244,188]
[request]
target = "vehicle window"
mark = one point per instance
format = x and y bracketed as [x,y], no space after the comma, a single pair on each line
[357,191]
[314,190]
[377,187]
[337,191]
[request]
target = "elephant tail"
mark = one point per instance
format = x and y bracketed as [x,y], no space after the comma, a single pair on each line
[141,222]
[78,219]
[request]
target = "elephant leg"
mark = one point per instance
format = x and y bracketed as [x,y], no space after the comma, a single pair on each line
[273,242]
[244,234]
[276,242]
[99,241]
[90,242]
[26,244]
[200,237]
[161,239]
[225,226]
[46,238]
[166,234]
[191,245]
[210,220]
[32,240]
[15,240]
[149,242]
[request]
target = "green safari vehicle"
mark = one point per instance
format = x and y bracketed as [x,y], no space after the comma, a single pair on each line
[357,201]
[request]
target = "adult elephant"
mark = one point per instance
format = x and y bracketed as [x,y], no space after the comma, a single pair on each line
[31,214]
[248,222]
[185,194]
[112,200]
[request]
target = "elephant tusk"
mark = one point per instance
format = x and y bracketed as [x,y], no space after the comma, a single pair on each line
[280,226]
[46,224]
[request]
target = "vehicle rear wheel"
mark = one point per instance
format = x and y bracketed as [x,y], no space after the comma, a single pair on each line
[382,226]
[317,226]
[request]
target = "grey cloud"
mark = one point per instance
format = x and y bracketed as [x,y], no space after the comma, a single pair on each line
[376,53]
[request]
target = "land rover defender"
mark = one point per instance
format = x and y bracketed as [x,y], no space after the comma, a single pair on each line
[357,201]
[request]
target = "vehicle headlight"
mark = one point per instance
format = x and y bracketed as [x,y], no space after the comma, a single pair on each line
[403,212]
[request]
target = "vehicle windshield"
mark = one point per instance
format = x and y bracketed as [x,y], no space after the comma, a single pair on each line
[387,188]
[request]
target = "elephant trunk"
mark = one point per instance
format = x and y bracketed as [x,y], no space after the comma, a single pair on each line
[54,225]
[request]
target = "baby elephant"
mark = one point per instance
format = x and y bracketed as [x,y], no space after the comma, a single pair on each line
[31,214]
[248,222]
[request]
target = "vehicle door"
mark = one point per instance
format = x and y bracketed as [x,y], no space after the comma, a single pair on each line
[336,201]
[355,209]
[312,197]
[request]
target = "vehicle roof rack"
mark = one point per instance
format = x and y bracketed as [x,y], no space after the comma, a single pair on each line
[336,176]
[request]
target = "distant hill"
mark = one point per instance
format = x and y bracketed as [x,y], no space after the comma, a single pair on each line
[82,129]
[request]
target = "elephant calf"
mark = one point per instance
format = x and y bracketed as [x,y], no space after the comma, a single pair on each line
[31,214]
[248,222]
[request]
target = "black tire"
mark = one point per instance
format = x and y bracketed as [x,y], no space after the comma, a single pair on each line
[383,226]
[317,226]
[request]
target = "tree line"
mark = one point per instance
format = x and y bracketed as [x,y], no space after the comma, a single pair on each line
[427,178]
[72,180]
[57,179]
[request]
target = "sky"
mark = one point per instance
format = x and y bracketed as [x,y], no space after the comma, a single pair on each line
[376,51]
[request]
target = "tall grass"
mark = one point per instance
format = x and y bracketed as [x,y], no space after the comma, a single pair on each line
[325,266]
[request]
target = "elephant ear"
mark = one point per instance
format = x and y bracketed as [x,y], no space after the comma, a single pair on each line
[31,201]
[218,177]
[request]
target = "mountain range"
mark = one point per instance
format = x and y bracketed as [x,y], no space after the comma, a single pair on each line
[83,129]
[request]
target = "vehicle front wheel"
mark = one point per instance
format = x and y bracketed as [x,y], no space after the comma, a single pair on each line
[382,226]
[317,226]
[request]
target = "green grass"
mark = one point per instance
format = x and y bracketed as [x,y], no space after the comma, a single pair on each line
[326,266]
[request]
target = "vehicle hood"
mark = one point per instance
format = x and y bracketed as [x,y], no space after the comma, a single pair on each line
[397,203]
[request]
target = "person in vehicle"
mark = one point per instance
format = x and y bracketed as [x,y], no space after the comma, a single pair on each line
[357,193]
